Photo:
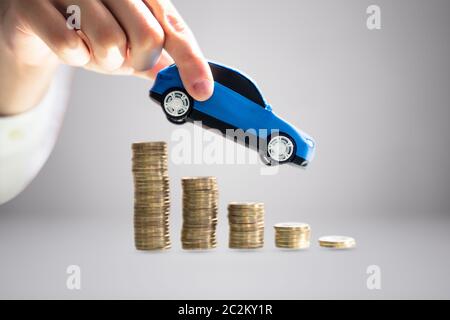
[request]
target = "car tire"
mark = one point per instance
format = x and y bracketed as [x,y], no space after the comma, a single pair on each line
[177,104]
[280,148]
[177,122]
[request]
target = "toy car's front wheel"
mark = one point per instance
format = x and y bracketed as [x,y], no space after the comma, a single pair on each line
[280,148]
[176,104]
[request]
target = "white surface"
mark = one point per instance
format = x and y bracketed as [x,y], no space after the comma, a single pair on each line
[26,140]
[413,257]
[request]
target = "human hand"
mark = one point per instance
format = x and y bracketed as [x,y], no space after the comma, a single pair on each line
[131,37]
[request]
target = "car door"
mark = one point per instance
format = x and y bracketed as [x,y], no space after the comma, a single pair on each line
[236,102]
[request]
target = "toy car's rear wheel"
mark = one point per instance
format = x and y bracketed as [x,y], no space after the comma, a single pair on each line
[176,104]
[280,148]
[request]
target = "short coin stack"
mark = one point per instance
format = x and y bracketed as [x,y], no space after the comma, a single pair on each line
[292,235]
[246,225]
[337,242]
[151,196]
[200,207]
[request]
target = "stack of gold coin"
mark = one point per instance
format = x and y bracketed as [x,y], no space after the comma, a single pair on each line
[200,207]
[151,196]
[337,242]
[246,225]
[292,235]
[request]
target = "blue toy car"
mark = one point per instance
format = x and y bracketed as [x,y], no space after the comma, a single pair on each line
[235,104]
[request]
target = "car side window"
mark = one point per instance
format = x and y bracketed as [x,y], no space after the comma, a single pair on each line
[237,82]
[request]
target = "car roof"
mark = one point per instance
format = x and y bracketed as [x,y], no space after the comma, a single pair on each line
[238,82]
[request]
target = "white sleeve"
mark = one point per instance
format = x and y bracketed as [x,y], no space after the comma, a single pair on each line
[26,140]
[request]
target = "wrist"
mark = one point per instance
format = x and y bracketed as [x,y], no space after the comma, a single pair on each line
[22,86]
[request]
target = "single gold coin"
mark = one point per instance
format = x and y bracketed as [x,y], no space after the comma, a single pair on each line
[291,226]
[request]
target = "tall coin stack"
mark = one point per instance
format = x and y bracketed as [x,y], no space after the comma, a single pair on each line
[246,225]
[151,196]
[200,207]
[292,235]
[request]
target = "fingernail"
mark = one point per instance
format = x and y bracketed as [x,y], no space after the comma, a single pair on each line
[203,88]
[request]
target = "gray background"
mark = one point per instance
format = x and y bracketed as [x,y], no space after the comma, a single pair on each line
[377,102]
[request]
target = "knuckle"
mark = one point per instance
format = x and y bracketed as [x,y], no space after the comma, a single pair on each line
[176,23]
[151,37]
[146,47]
[65,40]
[158,37]
[107,37]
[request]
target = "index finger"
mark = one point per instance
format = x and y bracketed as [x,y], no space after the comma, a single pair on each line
[180,43]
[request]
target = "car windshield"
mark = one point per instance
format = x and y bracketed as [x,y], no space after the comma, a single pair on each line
[237,82]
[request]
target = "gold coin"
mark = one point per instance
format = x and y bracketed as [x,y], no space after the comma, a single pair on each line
[288,226]
[245,246]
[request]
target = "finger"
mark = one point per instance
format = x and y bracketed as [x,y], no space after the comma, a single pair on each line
[44,20]
[105,37]
[165,60]
[182,46]
[145,35]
